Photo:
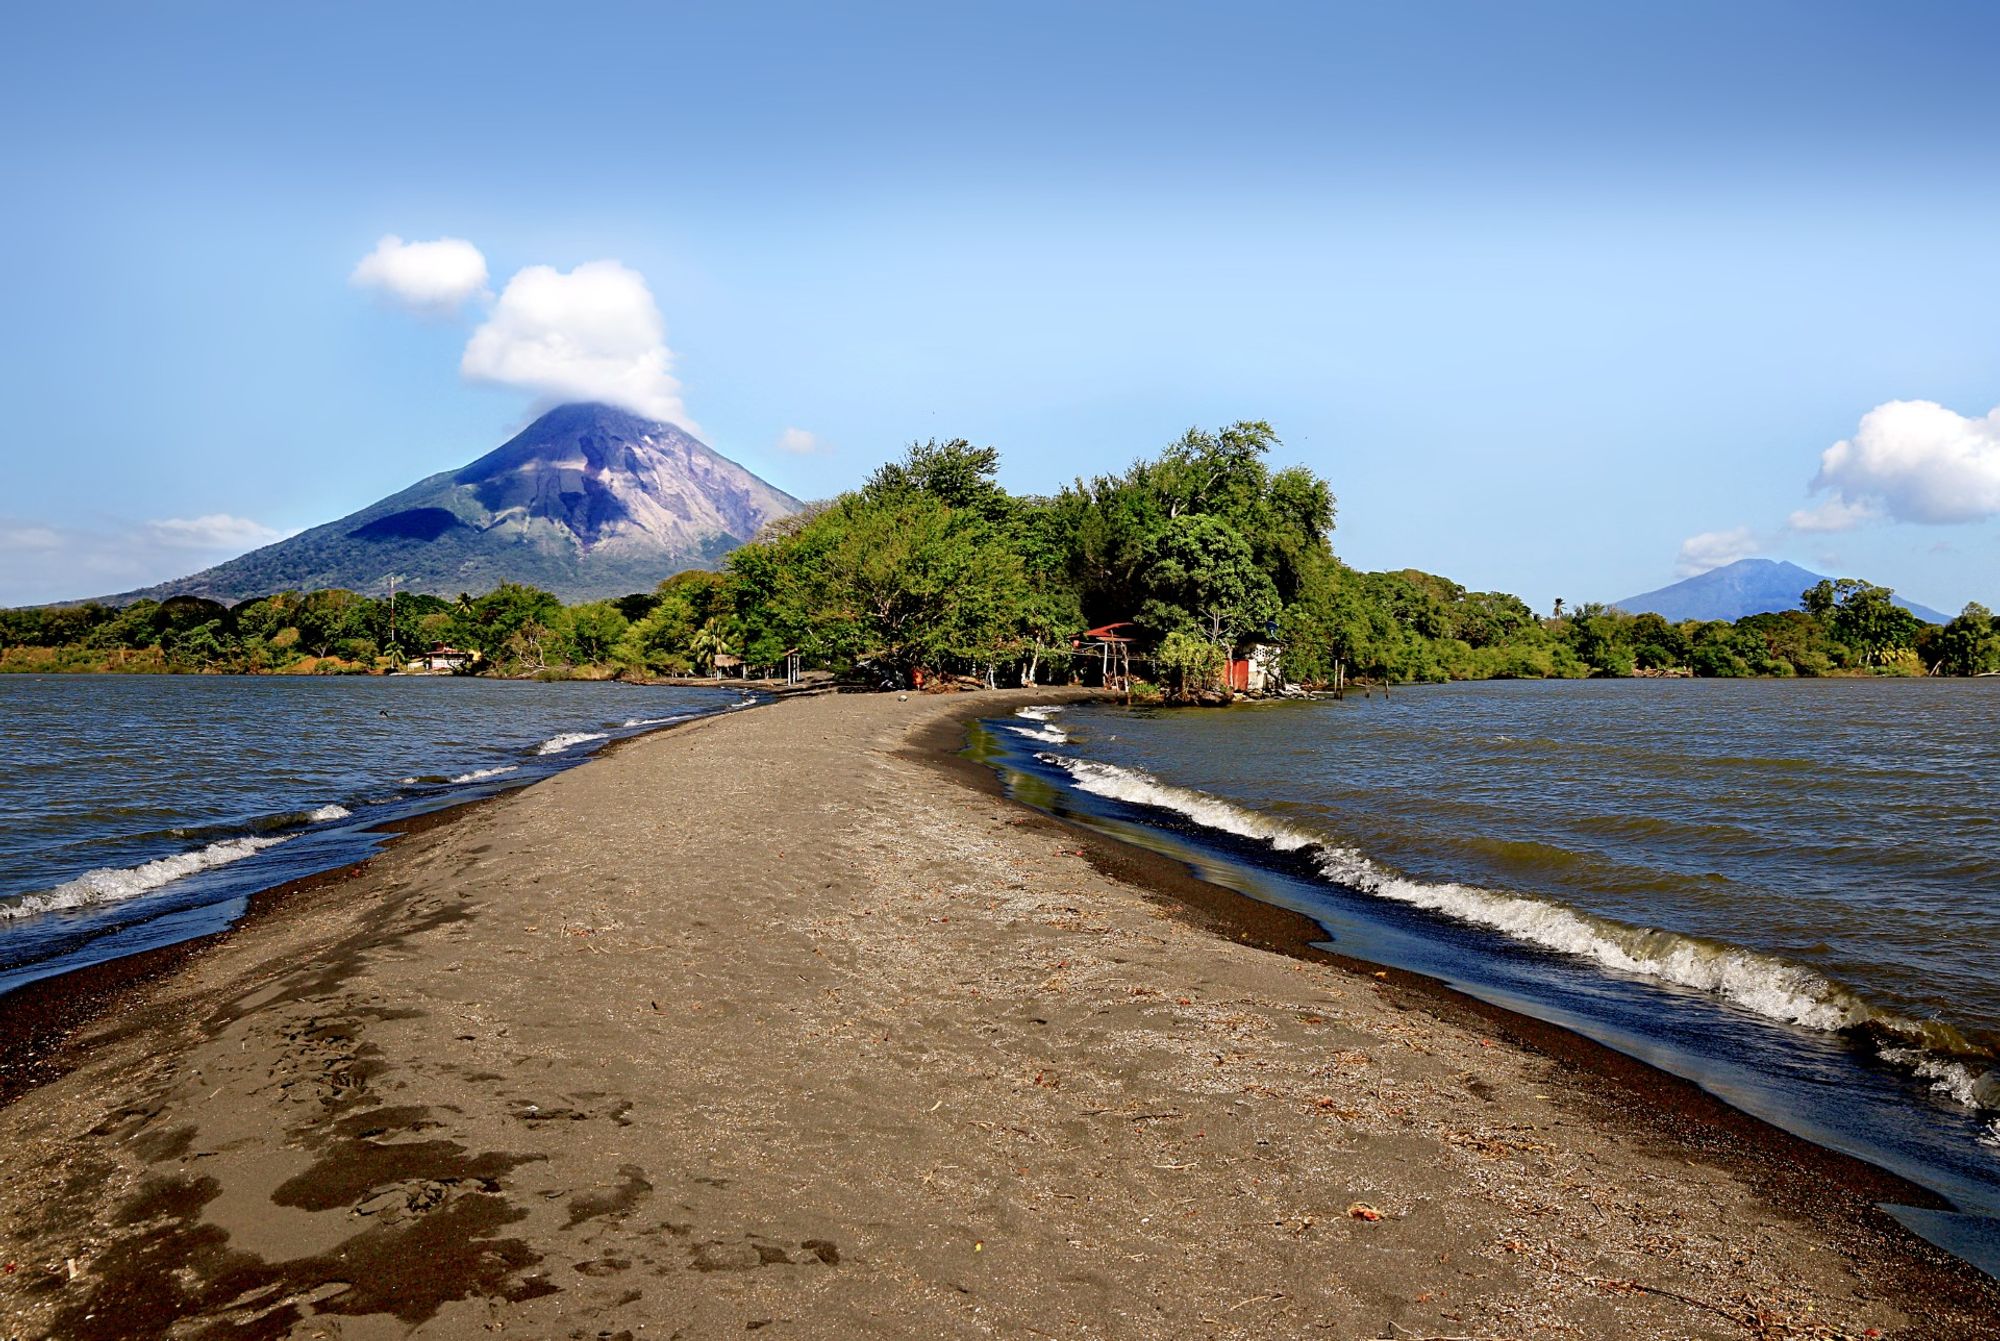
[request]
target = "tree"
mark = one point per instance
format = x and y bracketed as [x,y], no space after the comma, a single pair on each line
[1871,623]
[595,629]
[1200,575]
[897,577]
[1598,636]
[1210,474]
[1189,664]
[488,622]
[1656,644]
[706,644]
[954,473]
[1713,651]
[1968,645]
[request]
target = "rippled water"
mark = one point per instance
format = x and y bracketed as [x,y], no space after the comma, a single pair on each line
[1785,890]
[140,810]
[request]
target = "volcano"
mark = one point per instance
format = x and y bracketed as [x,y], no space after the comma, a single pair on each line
[586,502]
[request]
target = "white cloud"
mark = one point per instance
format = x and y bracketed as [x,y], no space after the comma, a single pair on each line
[1715,549]
[436,278]
[217,530]
[799,442]
[18,538]
[1916,461]
[65,563]
[593,333]
[1834,514]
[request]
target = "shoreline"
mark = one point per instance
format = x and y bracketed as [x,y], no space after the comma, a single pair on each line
[1793,1170]
[1672,1125]
[33,1031]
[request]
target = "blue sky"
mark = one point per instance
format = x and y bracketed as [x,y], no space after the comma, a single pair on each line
[1565,300]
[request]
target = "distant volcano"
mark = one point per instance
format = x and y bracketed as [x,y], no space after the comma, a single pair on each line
[587,501]
[1746,587]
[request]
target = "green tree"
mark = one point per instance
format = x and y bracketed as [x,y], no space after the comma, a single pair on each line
[705,644]
[487,623]
[954,473]
[596,627]
[1656,644]
[1189,664]
[1200,575]
[1599,637]
[1870,622]
[1969,644]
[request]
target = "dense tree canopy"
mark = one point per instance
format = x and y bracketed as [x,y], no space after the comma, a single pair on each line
[932,566]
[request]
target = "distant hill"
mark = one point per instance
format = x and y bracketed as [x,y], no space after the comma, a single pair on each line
[1746,587]
[587,501]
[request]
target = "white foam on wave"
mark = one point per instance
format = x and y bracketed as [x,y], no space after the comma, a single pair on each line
[1048,735]
[1140,788]
[568,740]
[481,774]
[1953,1079]
[116,884]
[1758,982]
[327,814]
[1039,712]
[657,721]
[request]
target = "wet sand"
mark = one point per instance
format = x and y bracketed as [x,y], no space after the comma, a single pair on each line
[783,1022]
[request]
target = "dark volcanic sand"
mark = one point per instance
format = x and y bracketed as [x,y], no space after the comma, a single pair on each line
[769,1024]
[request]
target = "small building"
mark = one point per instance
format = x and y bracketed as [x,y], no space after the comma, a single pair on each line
[444,658]
[1111,645]
[727,663]
[1256,669]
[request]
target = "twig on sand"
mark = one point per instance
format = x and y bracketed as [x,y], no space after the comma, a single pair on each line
[1405,1334]
[1749,1322]
[1257,1299]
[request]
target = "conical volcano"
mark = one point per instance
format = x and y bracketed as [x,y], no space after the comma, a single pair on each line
[587,501]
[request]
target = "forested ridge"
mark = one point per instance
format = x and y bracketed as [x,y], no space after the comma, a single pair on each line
[931,566]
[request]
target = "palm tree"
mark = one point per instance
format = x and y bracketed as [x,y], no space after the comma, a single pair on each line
[705,645]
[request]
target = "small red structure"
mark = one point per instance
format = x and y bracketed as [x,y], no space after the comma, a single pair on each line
[1113,645]
[1238,675]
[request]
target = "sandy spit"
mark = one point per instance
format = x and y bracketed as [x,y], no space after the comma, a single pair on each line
[772,1024]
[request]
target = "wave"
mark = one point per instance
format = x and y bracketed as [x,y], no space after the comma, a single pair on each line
[568,740]
[1949,1077]
[256,824]
[658,721]
[481,774]
[1043,729]
[1140,788]
[117,884]
[1764,984]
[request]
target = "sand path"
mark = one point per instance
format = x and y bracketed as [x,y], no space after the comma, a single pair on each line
[766,1025]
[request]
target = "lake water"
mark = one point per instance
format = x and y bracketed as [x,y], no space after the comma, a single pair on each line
[136,811]
[1787,891]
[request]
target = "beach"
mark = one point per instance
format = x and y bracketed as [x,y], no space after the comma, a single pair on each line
[786,1022]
